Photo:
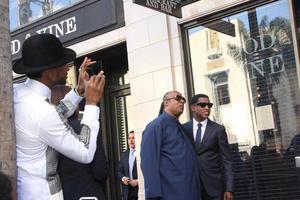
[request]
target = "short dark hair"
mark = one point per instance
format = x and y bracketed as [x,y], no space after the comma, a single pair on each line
[165,97]
[6,187]
[195,98]
[132,131]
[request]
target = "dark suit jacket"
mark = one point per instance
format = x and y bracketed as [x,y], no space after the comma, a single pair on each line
[168,161]
[124,171]
[214,159]
[84,180]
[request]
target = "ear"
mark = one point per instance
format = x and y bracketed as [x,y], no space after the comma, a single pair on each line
[50,74]
[193,107]
[166,103]
[46,75]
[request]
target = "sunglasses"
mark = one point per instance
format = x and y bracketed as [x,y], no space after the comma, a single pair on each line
[203,105]
[178,98]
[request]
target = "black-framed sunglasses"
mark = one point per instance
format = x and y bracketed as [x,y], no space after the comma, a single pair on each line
[203,104]
[178,98]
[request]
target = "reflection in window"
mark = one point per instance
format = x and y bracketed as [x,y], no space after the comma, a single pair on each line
[220,82]
[23,12]
[251,69]
[223,94]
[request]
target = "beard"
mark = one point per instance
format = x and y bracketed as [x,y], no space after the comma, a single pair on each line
[62,81]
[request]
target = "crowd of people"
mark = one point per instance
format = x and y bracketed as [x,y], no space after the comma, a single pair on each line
[62,157]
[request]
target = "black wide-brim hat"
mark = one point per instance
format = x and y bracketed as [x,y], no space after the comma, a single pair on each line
[41,52]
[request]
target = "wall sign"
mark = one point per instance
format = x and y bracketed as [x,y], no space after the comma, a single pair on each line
[169,7]
[68,24]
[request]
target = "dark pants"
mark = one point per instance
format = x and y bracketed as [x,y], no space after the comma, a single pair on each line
[205,196]
[132,198]
[132,193]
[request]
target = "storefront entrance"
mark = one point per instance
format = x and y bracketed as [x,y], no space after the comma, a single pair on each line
[115,120]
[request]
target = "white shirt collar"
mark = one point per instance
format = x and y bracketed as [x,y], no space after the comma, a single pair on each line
[39,88]
[203,123]
[131,149]
[203,127]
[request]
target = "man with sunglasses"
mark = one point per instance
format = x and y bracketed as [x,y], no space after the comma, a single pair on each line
[213,151]
[168,160]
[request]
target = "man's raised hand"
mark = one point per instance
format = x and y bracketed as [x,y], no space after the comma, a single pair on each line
[83,76]
[95,88]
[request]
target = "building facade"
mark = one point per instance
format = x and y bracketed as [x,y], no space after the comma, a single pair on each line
[244,54]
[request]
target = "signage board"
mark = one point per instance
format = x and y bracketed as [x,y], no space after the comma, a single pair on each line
[68,24]
[170,7]
[186,2]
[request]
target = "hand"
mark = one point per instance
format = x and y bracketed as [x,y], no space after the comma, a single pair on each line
[95,88]
[125,180]
[134,183]
[83,76]
[228,196]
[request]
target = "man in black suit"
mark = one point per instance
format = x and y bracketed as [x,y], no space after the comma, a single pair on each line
[127,172]
[213,151]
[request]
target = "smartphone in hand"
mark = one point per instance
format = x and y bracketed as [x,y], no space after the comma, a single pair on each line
[95,68]
[88,198]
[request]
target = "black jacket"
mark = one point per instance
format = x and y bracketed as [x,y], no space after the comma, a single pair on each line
[123,170]
[84,180]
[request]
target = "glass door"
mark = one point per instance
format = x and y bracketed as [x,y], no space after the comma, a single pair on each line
[120,124]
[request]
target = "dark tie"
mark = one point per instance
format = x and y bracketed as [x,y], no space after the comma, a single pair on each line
[198,134]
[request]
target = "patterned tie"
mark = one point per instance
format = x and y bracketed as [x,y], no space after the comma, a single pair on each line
[131,162]
[198,134]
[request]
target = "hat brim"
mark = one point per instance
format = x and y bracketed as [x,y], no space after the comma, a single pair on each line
[19,67]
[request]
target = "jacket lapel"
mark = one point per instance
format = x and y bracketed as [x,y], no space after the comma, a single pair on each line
[208,131]
[134,170]
[126,162]
[206,136]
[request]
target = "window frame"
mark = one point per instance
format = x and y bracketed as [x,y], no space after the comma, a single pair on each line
[185,26]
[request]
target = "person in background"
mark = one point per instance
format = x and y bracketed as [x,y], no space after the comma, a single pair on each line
[6,189]
[81,180]
[213,151]
[127,171]
[168,160]
[42,129]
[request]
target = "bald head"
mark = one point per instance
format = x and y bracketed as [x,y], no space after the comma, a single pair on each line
[174,103]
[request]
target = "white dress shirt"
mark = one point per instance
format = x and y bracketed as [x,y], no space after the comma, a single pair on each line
[41,132]
[195,128]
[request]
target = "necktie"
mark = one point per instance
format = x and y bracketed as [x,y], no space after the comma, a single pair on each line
[131,162]
[198,134]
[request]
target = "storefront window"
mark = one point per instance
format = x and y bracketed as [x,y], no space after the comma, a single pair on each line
[246,64]
[23,12]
